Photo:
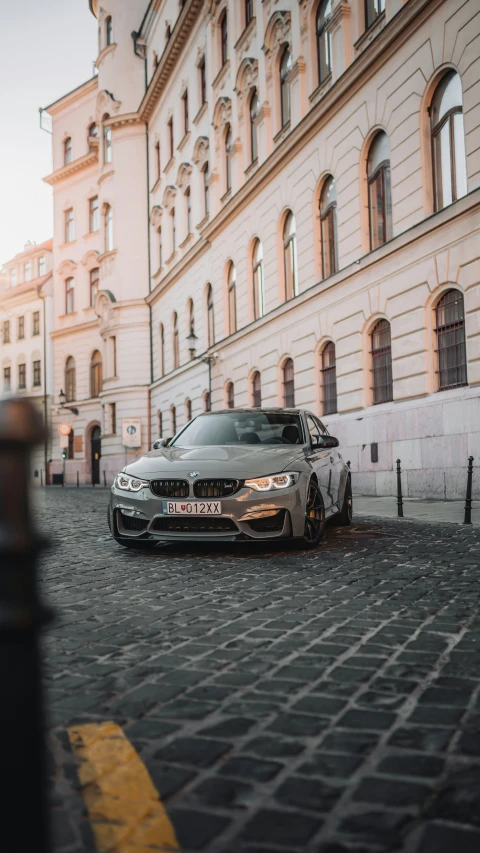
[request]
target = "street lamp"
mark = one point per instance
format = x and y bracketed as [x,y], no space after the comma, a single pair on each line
[62,399]
[191,340]
[209,359]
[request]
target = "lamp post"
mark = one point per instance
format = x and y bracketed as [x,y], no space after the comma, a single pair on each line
[62,399]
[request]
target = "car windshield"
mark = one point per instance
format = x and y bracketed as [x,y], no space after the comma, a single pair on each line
[241,428]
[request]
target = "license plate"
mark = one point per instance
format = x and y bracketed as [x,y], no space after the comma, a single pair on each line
[194,508]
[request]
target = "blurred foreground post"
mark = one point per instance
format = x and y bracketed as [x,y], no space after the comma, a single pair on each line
[467,519]
[399,491]
[23,810]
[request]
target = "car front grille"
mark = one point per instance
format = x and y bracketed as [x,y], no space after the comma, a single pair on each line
[195,525]
[269,524]
[130,523]
[170,488]
[215,488]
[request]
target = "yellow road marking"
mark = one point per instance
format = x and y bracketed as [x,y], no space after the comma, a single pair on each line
[124,807]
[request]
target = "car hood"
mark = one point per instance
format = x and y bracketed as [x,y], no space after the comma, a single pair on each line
[219,461]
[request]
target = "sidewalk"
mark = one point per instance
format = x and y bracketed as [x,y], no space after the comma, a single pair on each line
[413,508]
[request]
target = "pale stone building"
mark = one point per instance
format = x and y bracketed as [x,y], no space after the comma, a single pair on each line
[307,216]
[26,352]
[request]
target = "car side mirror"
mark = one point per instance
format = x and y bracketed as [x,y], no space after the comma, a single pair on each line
[326,441]
[161,442]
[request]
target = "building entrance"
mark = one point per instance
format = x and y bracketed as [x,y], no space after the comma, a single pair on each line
[96,450]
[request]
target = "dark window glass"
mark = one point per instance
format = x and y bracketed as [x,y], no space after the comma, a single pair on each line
[188,410]
[257,389]
[290,256]
[36,373]
[324,40]
[448,141]
[254,109]
[176,342]
[258,280]
[248,11]
[242,428]
[108,31]
[232,300]
[328,227]
[373,8]
[173,415]
[382,363]
[285,68]
[36,323]
[170,137]
[157,160]
[162,350]
[96,374]
[188,201]
[71,445]
[288,384]
[228,165]
[94,285]
[210,317]
[22,375]
[21,328]
[6,331]
[203,82]
[379,191]
[329,379]
[174,230]
[70,380]
[208,402]
[7,378]
[67,151]
[230,396]
[160,424]
[451,349]
[69,295]
[185,113]
[205,189]
[224,38]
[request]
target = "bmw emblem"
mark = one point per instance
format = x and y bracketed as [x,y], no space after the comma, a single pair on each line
[194,473]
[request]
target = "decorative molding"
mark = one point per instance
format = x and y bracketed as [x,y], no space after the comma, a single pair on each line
[104,301]
[220,79]
[72,168]
[184,175]
[201,151]
[106,103]
[169,197]
[222,113]
[156,216]
[247,79]
[66,269]
[247,37]
[90,259]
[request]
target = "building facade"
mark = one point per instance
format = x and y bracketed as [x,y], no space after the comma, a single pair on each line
[292,197]
[26,353]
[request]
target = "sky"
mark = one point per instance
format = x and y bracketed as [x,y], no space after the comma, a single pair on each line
[48,48]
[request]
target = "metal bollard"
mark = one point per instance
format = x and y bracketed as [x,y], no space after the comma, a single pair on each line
[105,479]
[467,519]
[23,806]
[78,480]
[399,491]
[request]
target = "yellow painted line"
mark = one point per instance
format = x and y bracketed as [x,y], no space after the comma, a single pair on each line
[125,810]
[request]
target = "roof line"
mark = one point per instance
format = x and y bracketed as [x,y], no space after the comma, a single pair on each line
[72,91]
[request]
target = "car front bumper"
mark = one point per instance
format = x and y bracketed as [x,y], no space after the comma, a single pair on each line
[247,515]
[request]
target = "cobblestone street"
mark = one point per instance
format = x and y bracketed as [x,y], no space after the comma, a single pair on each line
[290,701]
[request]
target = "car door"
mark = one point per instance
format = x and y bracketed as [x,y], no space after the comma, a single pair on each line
[319,458]
[336,465]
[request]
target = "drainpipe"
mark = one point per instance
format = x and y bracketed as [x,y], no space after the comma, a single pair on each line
[45,407]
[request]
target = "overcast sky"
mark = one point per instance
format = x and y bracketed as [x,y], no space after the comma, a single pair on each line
[48,48]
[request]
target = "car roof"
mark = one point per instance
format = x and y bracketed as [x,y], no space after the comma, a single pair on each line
[254,410]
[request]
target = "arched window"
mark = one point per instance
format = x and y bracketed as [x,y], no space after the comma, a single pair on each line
[71,444]
[382,363]
[70,380]
[210,317]
[207,402]
[290,256]
[96,374]
[188,410]
[160,424]
[69,295]
[258,281]
[173,418]
[324,40]
[228,165]
[288,384]
[257,389]
[328,227]
[448,141]
[285,68]
[67,151]
[451,350]
[162,349]
[188,208]
[158,165]
[230,396]
[254,109]
[205,189]
[107,141]
[176,342]
[329,379]
[379,191]
[108,228]
[108,31]
[232,299]
[224,38]
[191,328]
[373,8]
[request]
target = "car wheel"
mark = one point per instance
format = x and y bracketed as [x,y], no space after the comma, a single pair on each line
[314,517]
[344,517]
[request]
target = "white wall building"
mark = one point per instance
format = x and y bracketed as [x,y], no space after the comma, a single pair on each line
[26,352]
[309,207]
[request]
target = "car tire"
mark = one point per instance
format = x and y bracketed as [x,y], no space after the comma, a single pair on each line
[314,517]
[344,517]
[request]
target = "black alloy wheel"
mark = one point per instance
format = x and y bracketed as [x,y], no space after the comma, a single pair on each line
[314,517]
[344,517]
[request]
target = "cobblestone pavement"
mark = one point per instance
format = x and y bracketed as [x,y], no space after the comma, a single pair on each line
[281,700]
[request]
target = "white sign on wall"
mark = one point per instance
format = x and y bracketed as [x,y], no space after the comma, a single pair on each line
[131,432]
[63,442]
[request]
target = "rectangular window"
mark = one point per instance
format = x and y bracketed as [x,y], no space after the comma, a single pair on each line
[69,226]
[94,217]
[6,331]
[69,295]
[7,378]
[158,163]
[373,8]
[36,323]
[185,112]
[22,376]
[42,266]
[113,418]
[248,12]
[36,374]
[14,278]
[174,231]
[21,328]
[94,283]
[170,136]
[28,271]
[203,82]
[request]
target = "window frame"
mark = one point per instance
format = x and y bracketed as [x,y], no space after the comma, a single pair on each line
[35,324]
[380,177]
[94,214]
[69,225]
[230,395]
[435,131]
[290,257]
[257,391]
[108,225]
[70,380]
[232,298]
[253,127]
[94,284]
[67,151]
[329,396]
[258,278]
[21,328]
[22,376]
[37,373]
[444,332]
[223,26]
[288,385]
[210,317]
[108,31]
[285,99]
[96,374]
[328,231]
[323,37]
[376,354]
[70,295]
[175,341]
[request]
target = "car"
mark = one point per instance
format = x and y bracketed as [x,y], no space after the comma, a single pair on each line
[259,474]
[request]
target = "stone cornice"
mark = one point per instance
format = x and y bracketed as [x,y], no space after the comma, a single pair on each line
[78,165]
[70,330]
[170,56]
[126,118]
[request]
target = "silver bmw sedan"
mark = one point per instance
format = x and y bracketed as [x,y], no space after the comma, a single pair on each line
[234,475]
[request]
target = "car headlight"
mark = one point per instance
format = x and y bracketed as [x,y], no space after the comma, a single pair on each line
[130,484]
[275,481]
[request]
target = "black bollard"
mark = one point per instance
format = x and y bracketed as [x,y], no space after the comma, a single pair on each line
[78,480]
[399,491]
[467,519]
[105,479]
[23,807]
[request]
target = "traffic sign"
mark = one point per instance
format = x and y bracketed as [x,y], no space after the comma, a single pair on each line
[64,429]
[131,432]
